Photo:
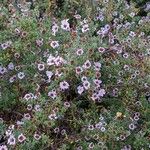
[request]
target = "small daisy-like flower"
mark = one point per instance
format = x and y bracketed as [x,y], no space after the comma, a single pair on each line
[11,140]
[79,70]
[54,44]
[52,116]
[85,28]
[79,148]
[12,79]
[54,29]
[21,138]
[132,126]
[125,55]
[37,107]
[65,25]
[98,125]
[29,107]
[49,74]
[64,85]
[52,94]
[59,61]
[17,55]
[77,16]
[3,70]
[80,89]
[67,104]
[56,130]
[101,49]
[4,46]
[63,132]
[136,118]
[91,146]
[126,67]
[97,82]
[94,97]
[122,137]
[11,66]
[87,64]
[27,116]
[83,78]
[27,97]
[50,60]
[90,127]
[19,123]
[8,132]
[97,66]
[86,85]
[39,42]
[3,147]
[132,34]
[79,52]
[21,75]
[37,136]
[101,92]
[41,67]
[103,129]
[17,31]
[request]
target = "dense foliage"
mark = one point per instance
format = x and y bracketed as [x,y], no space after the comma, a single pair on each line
[74,75]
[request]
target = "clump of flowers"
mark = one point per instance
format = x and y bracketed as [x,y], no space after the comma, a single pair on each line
[75,85]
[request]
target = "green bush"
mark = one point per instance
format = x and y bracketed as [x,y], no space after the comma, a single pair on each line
[77,78]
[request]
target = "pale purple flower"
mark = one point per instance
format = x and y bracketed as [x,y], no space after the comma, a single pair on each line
[94,96]
[77,16]
[85,28]
[54,29]
[27,97]
[101,92]
[11,66]
[64,85]
[2,70]
[27,116]
[49,74]
[21,138]
[87,64]
[97,82]
[12,79]
[37,107]
[59,61]
[65,25]
[132,126]
[37,136]
[86,85]
[3,147]
[97,66]
[83,78]
[101,49]
[79,70]
[80,89]
[79,52]
[103,129]
[52,94]
[11,140]
[67,104]
[29,107]
[41,67]
[125,55]
[50,60]
[39,42]
[52,116]
[54,44]
[21,75]
[8,132]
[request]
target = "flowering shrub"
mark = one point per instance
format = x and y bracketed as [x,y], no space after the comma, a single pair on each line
[75,83]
